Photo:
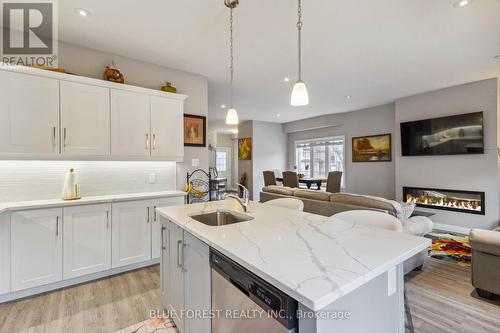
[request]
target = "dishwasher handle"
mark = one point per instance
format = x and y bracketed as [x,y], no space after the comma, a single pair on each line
[240,287]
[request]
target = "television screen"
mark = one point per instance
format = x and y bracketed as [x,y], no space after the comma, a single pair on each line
[461,134]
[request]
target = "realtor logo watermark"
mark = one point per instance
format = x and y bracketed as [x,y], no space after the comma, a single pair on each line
[29,32]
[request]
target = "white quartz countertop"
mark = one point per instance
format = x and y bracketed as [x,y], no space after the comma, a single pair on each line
[312,258]
[38,204]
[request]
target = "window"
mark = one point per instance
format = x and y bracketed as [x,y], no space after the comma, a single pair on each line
[315,158]
[221,161]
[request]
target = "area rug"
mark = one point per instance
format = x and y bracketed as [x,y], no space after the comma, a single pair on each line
[454,248]
[154,325]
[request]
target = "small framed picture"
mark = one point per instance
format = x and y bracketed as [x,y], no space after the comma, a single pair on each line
[195,131]
[374,148]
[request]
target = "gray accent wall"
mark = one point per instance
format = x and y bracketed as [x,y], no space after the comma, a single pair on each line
[269,152]
[457,172]
[371,178]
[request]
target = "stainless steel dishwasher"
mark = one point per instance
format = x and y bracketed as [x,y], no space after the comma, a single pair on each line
[242,302]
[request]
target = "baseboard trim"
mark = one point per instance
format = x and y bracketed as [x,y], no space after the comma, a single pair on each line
[452,228]
[74,281]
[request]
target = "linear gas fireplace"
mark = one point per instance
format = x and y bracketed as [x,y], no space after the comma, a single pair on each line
[459,201]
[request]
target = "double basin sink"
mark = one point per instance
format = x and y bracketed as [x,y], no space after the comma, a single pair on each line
[221,217]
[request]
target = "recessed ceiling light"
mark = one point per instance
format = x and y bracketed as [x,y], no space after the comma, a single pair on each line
[348,97]
[82,12]
[461,3]
[223,106]
[278,115]
[286,79]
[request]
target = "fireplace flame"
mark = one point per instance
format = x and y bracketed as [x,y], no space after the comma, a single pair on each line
[425,199]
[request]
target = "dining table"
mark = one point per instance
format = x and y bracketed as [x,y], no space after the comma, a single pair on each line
[308,181]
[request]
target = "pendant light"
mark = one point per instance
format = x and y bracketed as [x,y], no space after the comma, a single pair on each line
[300,96]
[232,114]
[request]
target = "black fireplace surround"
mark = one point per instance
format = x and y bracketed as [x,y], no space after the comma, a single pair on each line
[471,202]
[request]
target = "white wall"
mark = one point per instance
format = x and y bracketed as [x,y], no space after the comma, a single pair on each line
[463,172]
[92,63]
[269,151]
[375,179]
[38,180]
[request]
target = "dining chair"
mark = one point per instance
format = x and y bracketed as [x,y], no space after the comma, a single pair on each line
[289,203]
[290,179]
[269,178]
[334,181]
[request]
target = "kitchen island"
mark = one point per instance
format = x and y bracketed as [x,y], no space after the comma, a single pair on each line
[346,277]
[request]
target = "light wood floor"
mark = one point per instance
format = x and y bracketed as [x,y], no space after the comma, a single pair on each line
[102,306]
[441,298]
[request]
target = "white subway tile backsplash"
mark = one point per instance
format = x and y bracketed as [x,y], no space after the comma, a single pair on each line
[38,180]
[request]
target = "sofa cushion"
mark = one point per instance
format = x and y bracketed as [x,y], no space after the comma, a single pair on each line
[283,190]
[417,225]
[314,195]
[363,201]
[485,241]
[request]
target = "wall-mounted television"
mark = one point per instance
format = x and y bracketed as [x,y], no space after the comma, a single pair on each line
[453,135]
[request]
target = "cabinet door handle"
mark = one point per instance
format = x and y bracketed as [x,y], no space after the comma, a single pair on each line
[154,212]
[162,242]
[147,141]
[64,136]
[147,214]
[107,219]
[154,141]
[57,226]
[179,260]
[54,136]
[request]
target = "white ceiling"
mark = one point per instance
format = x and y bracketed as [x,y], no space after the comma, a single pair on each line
[375,51]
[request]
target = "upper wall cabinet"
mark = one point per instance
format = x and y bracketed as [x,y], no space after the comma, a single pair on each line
[130,124]
[44,114]
[167,128]
[85,119]
[29,114]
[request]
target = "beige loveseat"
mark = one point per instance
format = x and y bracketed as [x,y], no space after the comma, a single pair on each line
[328,204]
[486,261]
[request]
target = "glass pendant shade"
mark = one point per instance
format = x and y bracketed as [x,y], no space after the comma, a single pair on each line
[300,96]
[232,117]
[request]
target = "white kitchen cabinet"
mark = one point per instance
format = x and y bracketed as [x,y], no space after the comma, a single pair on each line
[175,287]
[4,253]
[197,281]
[29,114]
[155,222]
[87,239]
[131,232]
[85,119]
[165,259]
[185,276]
[36,248]
[167,128]
[130,124]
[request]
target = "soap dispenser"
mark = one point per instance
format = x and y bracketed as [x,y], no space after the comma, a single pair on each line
[70,189]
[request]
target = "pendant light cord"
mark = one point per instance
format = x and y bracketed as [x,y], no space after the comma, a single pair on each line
[299,28]
[231,58]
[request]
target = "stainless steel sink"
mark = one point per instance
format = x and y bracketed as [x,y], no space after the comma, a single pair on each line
[221,217]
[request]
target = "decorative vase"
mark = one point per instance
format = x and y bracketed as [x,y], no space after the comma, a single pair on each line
[113,74]
[169,88]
